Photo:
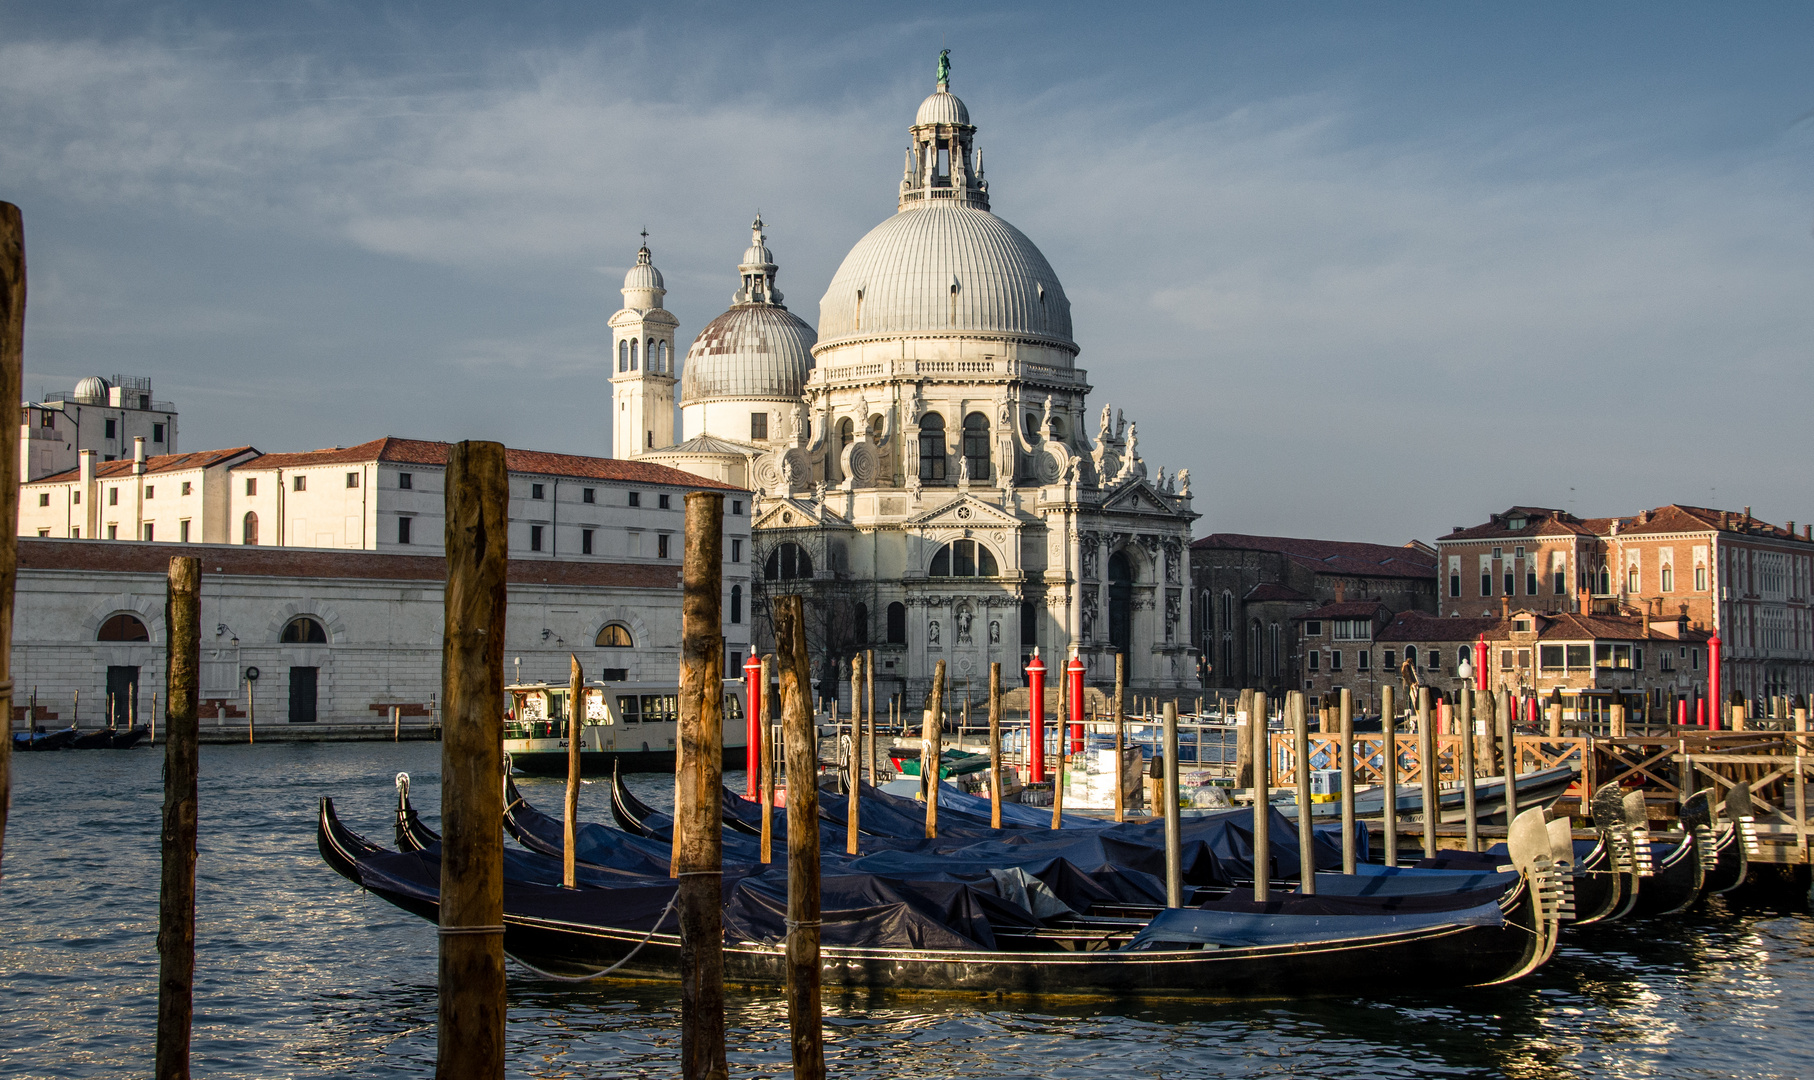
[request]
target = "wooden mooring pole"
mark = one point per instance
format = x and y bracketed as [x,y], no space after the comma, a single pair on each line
[1508,725]
[995,745]
[1388,738]
[470,1038]
[12,374]
[176,892]
[1429,757]
[869,709]
[853,771]
[1348,764]
[1262,799]
[1121,737]
[932,736]
[576,686]
[1469,800]
[801,745]
[1300,751]
[698,812]
[1174,832]
[768,767]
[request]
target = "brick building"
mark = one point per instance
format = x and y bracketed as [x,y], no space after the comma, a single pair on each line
[1256,594]
[1710,570]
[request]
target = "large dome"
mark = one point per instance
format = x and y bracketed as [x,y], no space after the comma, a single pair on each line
[945,269]
[751,351]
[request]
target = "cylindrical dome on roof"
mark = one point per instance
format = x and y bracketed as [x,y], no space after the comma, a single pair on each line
[750,351]
[92,391]
[945,269]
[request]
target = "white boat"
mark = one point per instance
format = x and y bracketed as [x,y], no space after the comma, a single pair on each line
[631,725]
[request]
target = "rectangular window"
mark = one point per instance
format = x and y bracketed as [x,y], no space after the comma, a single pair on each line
[1524,659]
[1455,585]
[661,546]
[1313,628]
[736,550]
[1579,657]
[1522,626]
[1486,583]
[112,433]
[1631,580]
[1435,659]
[183,530]
[1637,658]
[44,533]
[1505,659]
[1391,659]
[47,419]
[113,532]
[113,496]
[76,497]
[44,498]
[1363,660]
[1352,629]
[635,498]
[188,488]
[403,528]
[535,538]
[405,480]
[150,491]
[737,507]
[585,541]
[1549,657]
[157,433]
[1511,583]
[352,479]
[1561,582]
[75,534]
[758,425]
[299,483]
[1694,660]
[1665,661]
[1667,579]
[535,491]
[251,486]
[587,495]
[1530,583]
[1335,660]
[1700,579]
[1315,659]
[661,502]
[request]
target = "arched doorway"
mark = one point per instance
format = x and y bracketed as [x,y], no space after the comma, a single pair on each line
[1121,604]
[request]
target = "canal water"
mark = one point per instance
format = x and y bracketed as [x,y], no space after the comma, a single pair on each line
[299,974]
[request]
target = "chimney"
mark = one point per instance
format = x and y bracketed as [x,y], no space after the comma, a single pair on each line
[138,455]
[1505,607]
[1584,602]
[85,469]
[1807,532]
[1647,622]
[1341,590]
[1747,513]
[1615,526]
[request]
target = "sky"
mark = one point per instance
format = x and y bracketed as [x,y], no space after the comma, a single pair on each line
[1369,271]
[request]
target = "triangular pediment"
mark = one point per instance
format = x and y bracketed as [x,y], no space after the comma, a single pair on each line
[791,513]
[1138,497]
[964,512]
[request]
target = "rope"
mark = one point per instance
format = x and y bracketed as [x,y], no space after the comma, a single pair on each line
[452,931]
[627,957]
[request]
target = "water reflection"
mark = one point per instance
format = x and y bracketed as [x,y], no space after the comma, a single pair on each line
[300,974]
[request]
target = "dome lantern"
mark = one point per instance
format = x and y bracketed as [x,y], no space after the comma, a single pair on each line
[942,162]
[643,286]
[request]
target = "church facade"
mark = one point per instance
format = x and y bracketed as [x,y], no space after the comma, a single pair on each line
[924,465]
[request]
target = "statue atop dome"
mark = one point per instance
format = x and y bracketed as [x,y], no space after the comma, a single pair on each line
[944,69]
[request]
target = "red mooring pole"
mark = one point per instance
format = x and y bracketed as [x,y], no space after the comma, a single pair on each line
[1716,704]
[752,723]
[1036,708]
[1075,670]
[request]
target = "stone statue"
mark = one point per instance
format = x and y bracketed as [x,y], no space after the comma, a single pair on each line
[944,66]
[963,468]
[932,632]
[1184,482]
[995,633]
[1120,424]
[963,625]
[1087,609]
[1133,442]
[1160,482]
[1045,421]
[1103,429]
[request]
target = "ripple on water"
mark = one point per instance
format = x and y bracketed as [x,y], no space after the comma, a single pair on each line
[300,974]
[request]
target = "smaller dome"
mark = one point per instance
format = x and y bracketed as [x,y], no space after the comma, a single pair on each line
[758,255]
[751,351]
[92,390]
[643,275]
[943,107]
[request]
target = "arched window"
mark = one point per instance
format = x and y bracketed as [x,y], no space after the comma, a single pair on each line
[303,630]
[736,604]
[667,362]
[1228,610]
[623,356]
[649,356]
[1411,655]
[897,623]
[632,354]
[847,432]
[964,558]
[1463,655]
[1605,580]
[123,628]
[932,448]
[787,562]
[862,621]
[614,636]
[976,445]
[249,531]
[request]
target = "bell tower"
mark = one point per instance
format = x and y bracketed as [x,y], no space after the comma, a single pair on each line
[643,363]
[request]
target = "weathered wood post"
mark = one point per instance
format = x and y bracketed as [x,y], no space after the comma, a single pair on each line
[853,773]
[396,723]
[251,709]
[869,707]
[12,373]
[1348,766]
[176,891]
[1174,830]
[1469,800]
[1121,737]
[1508,755]
[1388,731]
[698,812]
[768,767]
[1555,717]
[1300,751]
[1430,762]
[995,745]
[932,735]
[1244,740]
[470,1039]
[801,749]
[576,687]
[1262,800]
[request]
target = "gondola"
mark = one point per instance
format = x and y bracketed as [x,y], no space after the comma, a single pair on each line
[412,835]
[127,738]
[578,933]
[1540,787]
[98,739]
[1601,889]
[1676,873]
[1734,843]
[59,739]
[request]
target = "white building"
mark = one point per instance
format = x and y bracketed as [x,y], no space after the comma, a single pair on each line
[100,417]
[923,465]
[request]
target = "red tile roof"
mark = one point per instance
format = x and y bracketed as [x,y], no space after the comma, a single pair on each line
[1268,590]
[138,557]
[1347,609]
[1418,626]
[538,462]
[1332,556]
[1674,518]
[1565,626]
[160,463]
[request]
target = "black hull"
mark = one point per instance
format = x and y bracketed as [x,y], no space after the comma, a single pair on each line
[1731,865]
[130,737]
[601,762]
[98,739]
[1675,885]
[1599,887]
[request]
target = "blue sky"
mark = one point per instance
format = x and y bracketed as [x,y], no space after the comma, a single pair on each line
[1369,271]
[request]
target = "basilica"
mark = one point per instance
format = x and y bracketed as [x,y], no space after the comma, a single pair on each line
[923,465]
